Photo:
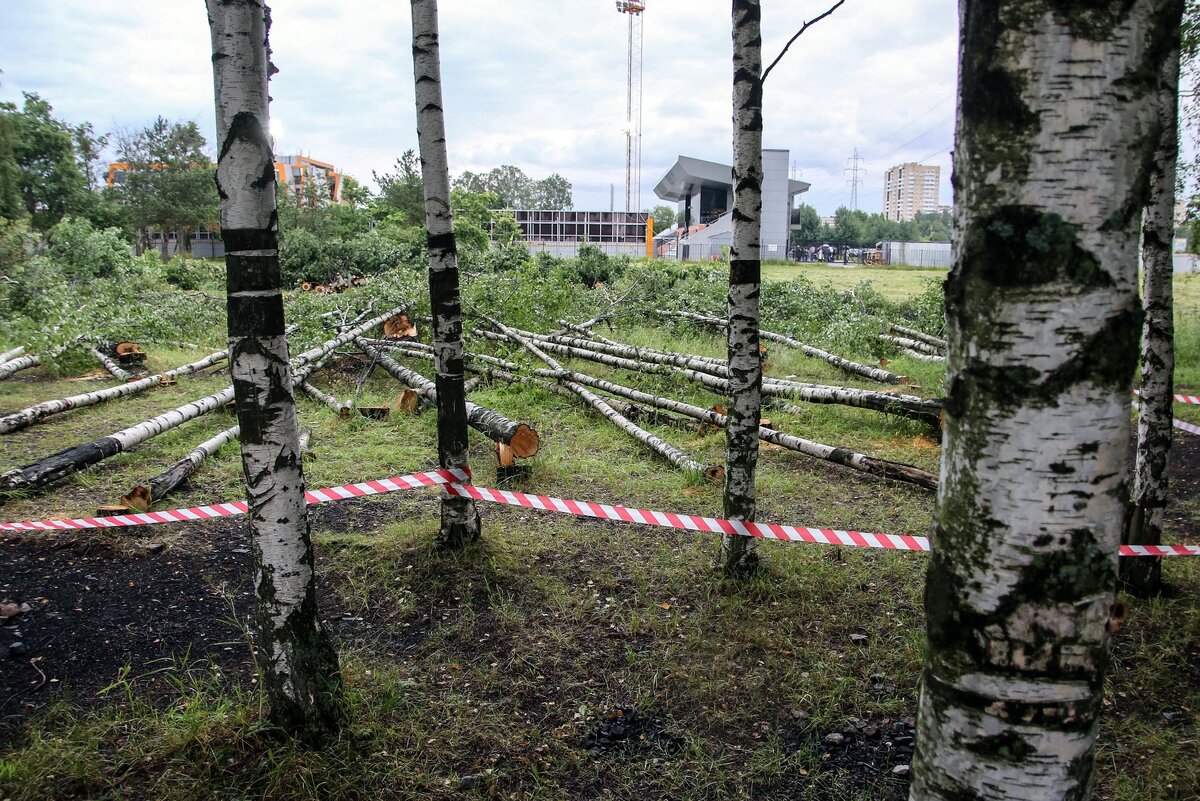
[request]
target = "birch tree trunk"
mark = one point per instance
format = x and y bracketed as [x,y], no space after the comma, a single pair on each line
[153,490]
[738,557]
[32,414]
[460,518]
[1143,575]
[18,364]
[298,662]
[112,367]
[1057,124]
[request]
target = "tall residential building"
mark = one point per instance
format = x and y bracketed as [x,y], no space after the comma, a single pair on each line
[909,189]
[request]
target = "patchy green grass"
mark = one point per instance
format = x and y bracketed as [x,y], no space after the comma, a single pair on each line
[894,283]
[487,668]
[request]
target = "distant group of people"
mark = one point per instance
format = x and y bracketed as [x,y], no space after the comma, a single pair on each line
[825,253]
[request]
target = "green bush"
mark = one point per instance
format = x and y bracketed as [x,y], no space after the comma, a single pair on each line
[305,257]
[187,273]
[83,252]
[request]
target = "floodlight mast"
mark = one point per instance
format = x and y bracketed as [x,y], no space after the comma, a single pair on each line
[633,104]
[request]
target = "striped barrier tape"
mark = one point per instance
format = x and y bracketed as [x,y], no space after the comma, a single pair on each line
[1188,427]
[715,525]
[1182,425]
[1192,399]
[449,480]
[323,495]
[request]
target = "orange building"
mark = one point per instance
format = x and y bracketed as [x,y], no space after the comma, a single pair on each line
[294,172]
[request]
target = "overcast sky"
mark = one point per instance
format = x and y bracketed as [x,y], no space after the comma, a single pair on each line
[535,83]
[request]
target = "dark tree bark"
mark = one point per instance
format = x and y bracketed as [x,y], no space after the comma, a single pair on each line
[1143,575]
[1058,121]
[460,519]
[296,657]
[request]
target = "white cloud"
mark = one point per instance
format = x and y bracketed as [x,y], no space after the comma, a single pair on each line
[539,84]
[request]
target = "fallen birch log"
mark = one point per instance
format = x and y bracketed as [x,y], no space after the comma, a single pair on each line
[339,408]
[33,414]
[58,465]
[920,336]
[112,367]
[843,364]
[714,379]
[9,355]
[16,365]
[921,357]
[520,437]
[913,345]
[146,494]
[668,452]
[842,456]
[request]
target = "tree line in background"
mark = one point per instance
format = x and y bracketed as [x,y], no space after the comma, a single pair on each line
[51,170]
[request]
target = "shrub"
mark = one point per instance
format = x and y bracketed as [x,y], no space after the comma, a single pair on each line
[83,252]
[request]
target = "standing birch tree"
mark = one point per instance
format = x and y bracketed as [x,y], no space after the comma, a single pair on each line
[1144,521]
[1058,120]
[738,553]
[298,663]
[460,519]
[738,557]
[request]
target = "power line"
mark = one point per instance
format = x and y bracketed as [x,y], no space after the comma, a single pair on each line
[910,122]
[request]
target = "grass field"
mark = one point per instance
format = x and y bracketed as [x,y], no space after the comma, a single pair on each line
[488,674]
[894,283]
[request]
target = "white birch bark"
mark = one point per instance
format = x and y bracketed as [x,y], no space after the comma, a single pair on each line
[843,364]
[913,345]
[1057,122]
[161,485]
[18,364]
[112,367]
[738,555]
[668,452]
[33,414]
[336,406]
[1144,522]
[912,333]
[9,355]
[460,518]
[296,658]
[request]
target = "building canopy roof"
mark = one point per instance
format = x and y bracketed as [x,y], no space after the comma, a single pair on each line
[688,173]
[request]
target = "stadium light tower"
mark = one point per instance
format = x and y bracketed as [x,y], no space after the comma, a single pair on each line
[633,104]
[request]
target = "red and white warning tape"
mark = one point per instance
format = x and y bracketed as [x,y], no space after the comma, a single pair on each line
[1192,399]
[449,480]
[713,525]
[1188,427]
[323,495]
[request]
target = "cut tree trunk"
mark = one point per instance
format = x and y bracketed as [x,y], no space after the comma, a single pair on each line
[520,437]
[460,518]
[668,452]
[920,336]
[1058,122]
[295,656]
[846,365]
[9,355]
[906,344]
[714,379]
[33,414]
[1144,518]
[149,492]
[56,466]
[338,408]
[842,456]
[112,367]
[18,364]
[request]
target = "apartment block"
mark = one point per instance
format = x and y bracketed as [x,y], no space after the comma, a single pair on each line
[909,189]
